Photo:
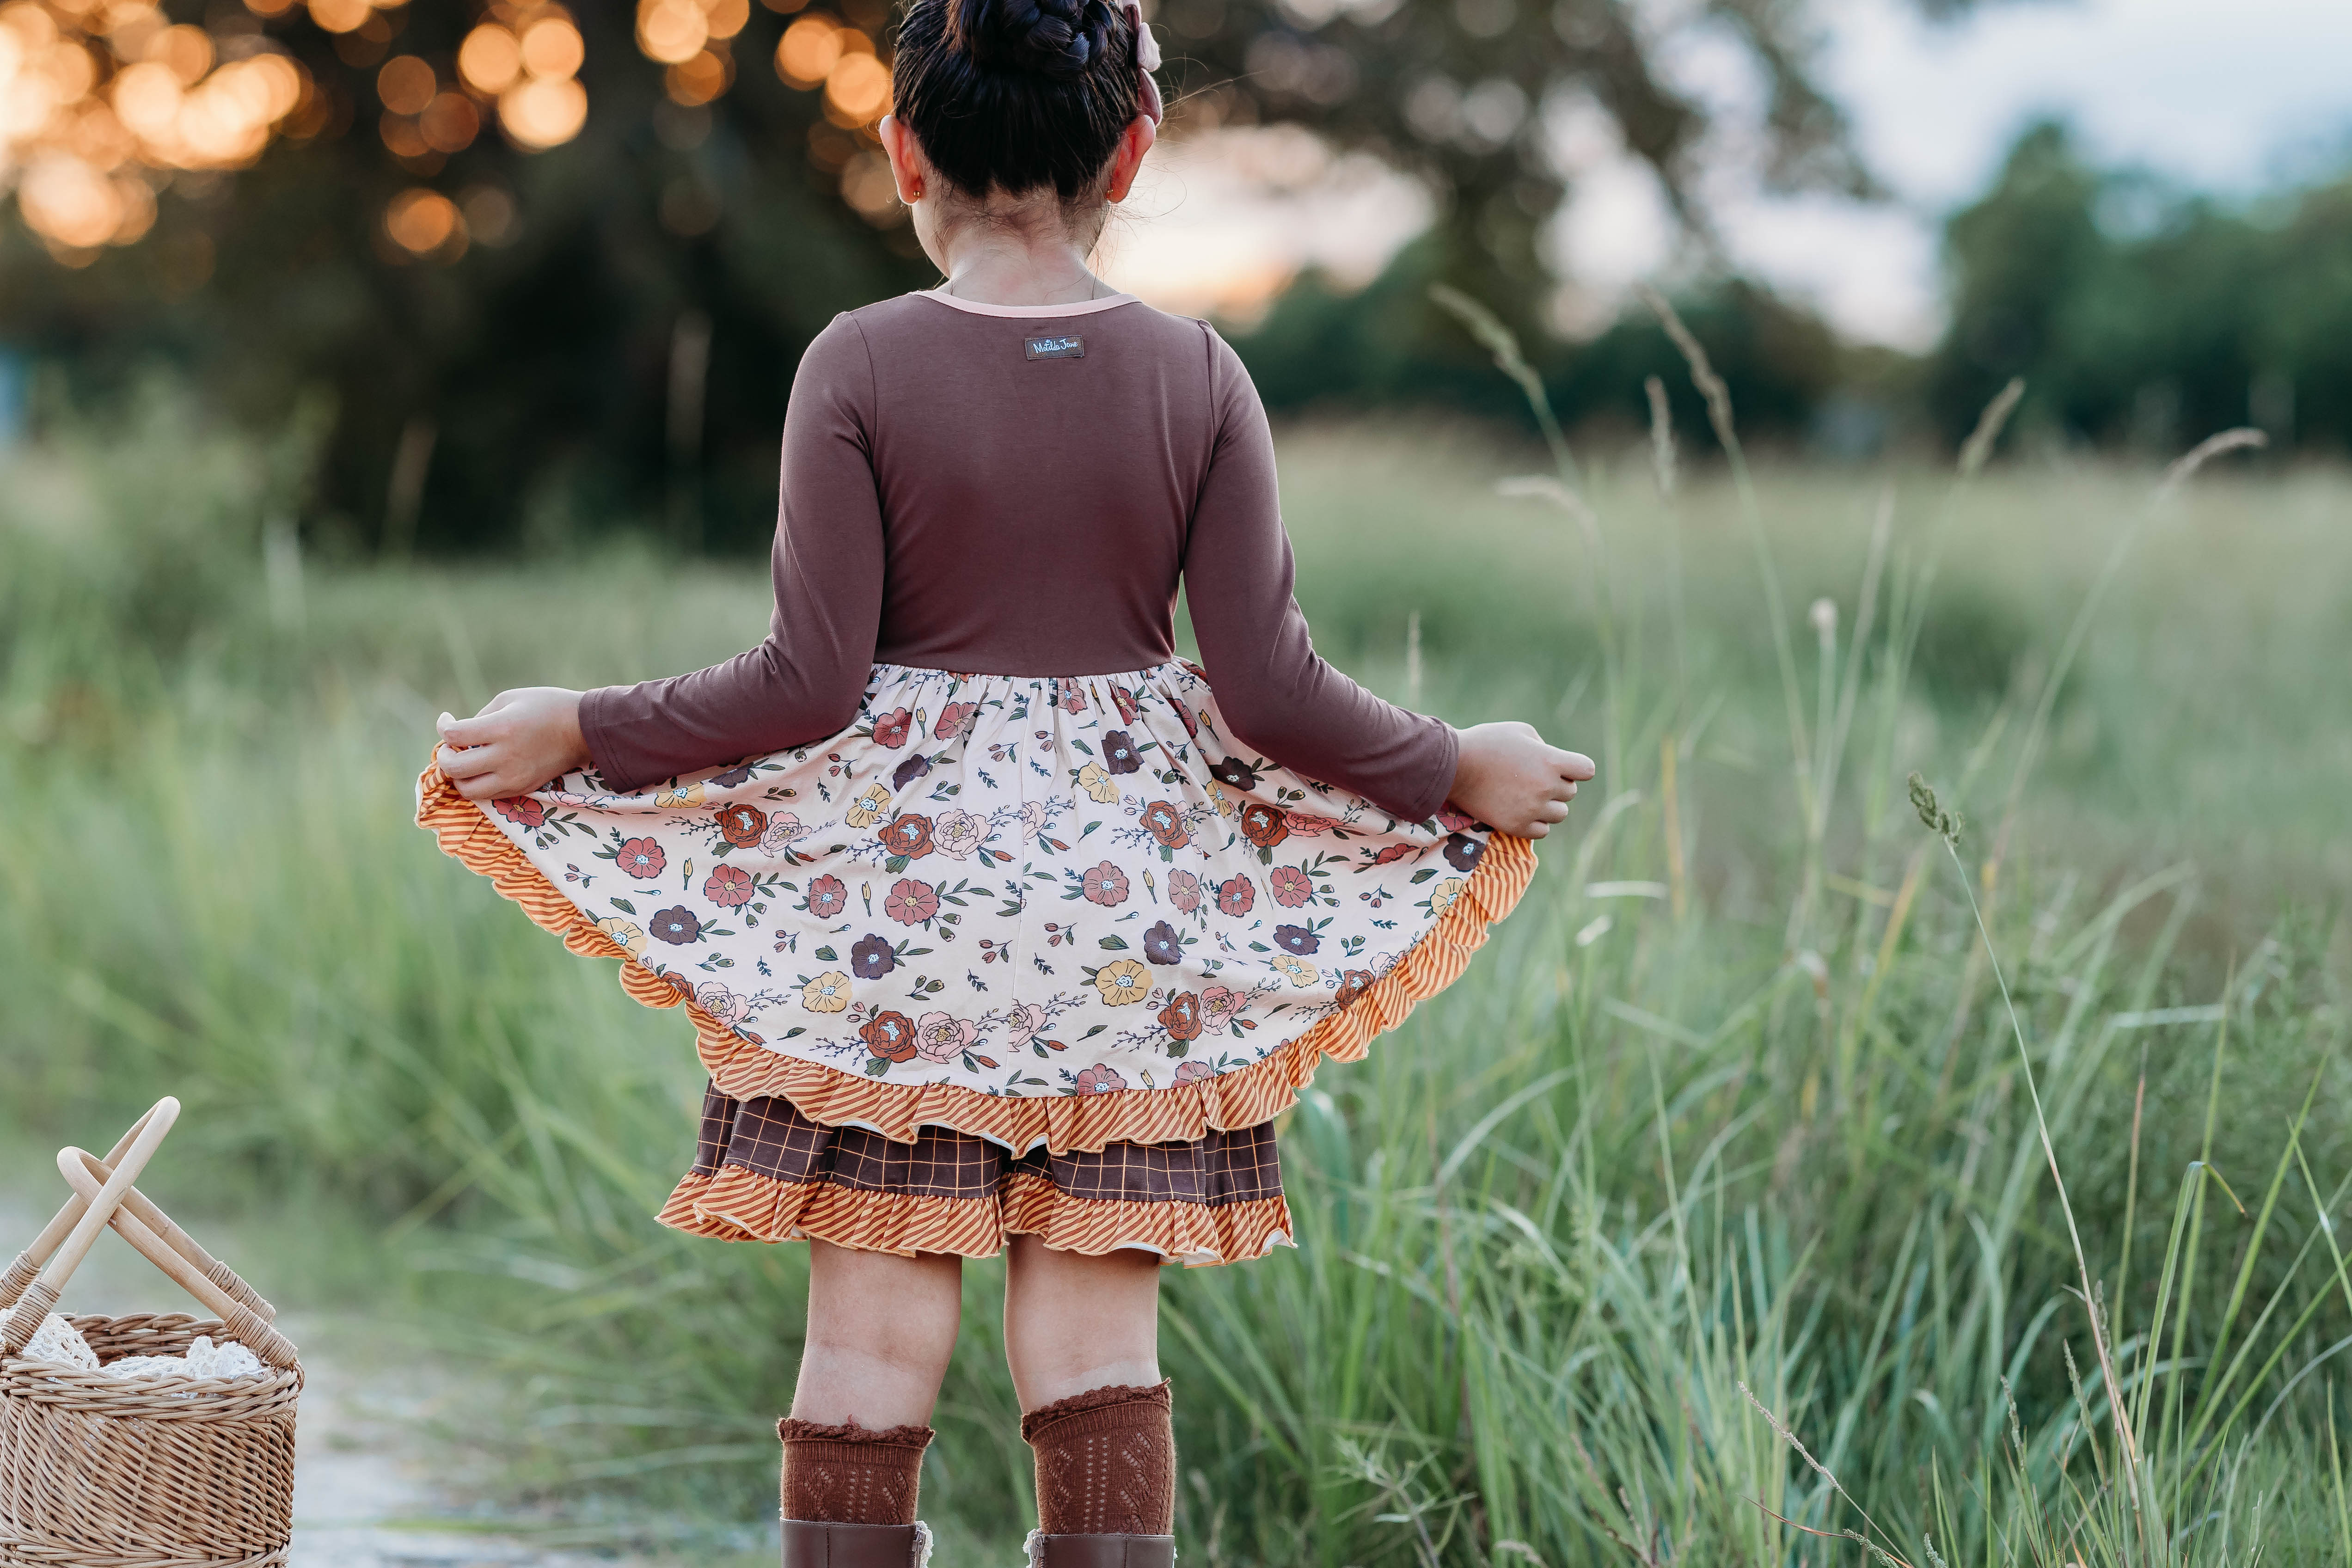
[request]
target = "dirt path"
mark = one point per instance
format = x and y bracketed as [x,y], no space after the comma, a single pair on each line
[367,1492]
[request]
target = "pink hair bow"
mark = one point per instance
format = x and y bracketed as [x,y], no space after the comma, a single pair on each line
[1147,60]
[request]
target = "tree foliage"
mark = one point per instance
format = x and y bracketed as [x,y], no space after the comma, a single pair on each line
[509,334]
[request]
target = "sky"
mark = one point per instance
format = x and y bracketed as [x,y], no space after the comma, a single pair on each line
[2230,96]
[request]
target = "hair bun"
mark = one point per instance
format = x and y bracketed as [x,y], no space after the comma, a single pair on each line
[1058,38]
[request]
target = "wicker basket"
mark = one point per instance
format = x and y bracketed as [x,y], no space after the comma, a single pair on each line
[151,1472]
[99,1471]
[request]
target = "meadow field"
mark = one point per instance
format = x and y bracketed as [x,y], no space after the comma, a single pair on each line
[1714,1218]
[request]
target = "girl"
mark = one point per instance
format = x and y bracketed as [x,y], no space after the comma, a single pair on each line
[999,926]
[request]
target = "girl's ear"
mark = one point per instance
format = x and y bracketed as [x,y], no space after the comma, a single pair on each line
[1127,161]
[909,168]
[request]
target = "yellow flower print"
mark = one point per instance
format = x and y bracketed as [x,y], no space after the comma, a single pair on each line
[1097,784]
[684,795]
[828,993]
[1224,803]
[1122,980]
[1442,894]
[632,938]
[1301,972]
[871,807]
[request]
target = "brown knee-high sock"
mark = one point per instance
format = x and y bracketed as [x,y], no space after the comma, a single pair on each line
[1105,1462]
[851,1473]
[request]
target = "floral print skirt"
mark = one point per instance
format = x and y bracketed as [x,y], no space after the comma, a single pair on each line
[1008,955]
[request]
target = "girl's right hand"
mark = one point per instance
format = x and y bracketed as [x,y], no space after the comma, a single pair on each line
[1510,780]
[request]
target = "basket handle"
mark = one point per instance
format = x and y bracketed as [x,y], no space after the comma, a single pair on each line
[136,1205]
[27,1264]
[241,1321]
[42,1293]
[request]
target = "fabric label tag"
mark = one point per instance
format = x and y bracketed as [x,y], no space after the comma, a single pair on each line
[1071,346]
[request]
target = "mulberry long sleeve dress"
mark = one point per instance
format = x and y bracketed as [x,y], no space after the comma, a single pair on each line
[991,915]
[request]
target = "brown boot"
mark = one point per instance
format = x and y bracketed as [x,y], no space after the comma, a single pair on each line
[809,1543]
[1100,1550]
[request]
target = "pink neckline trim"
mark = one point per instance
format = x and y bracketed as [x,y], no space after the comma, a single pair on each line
[1082,308]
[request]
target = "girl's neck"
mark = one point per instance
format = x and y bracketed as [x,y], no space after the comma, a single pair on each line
[998,269]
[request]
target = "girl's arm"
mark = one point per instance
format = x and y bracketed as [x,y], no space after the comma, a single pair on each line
[1280,698]
[802,684]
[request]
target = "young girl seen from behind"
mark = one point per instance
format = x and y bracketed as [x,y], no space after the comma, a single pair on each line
[1001,928]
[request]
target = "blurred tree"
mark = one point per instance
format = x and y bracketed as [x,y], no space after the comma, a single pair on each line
[552,265]
[2143,316]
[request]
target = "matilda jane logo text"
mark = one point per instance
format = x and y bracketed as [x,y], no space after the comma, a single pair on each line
[1070,347]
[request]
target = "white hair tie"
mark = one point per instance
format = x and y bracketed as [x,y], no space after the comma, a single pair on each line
[1147,60]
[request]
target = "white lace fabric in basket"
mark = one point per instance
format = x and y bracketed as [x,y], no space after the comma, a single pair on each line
[58,1341]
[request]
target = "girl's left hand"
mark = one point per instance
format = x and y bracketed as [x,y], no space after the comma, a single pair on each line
[517,741]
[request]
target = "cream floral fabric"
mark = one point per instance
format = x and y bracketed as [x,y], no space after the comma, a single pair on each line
[1019,887]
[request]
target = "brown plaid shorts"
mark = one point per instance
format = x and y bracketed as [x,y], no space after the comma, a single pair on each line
[763,1171]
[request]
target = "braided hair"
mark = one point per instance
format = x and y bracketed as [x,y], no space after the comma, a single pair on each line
[1017,95]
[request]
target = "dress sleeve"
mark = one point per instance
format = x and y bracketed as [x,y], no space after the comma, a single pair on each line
[1277,693]
[804,681]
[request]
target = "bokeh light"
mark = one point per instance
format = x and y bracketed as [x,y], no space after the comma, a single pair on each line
[671,31]
[426,223]
[406,84]
[539,113]
[90,129]
[341,16]
[489,59]
[808,51]
[553,48]
[857,88]
[699,80]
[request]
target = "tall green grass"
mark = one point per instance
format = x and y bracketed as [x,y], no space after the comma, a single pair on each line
[1731,1143]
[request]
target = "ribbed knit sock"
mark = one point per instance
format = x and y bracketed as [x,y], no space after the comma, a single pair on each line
[851,1473]
[1105,1462]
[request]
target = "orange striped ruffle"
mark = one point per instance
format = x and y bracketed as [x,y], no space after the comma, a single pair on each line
[737,1205]
[1064,1123]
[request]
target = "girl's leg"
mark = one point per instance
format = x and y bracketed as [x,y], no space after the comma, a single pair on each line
[880,1330]
[1082,1337]
[1074,1323]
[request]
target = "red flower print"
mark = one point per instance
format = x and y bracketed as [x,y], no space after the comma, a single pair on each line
[1305,826]
[1455,821]
[1191,1072]
[1262,825]
[1128,711]
[955,719]
[1073,698]
[891,1036]
[642,858]
[1219,1006]
[1166,823]
[1394,853]
[1181,1017]
[1097,1079]
[1191,725]
[911,902]
[1352,984]
[909,835]
[826,897]
[676,926]
[728,887]
[892,729]
[521,808]
[1184,891]
[1290,886]
[1235,897]
[1106,885]
[742,825]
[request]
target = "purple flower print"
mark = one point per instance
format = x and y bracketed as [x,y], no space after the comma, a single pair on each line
[871,957]
[677,926]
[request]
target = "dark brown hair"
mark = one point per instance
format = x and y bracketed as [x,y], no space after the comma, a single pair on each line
[1016,95]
